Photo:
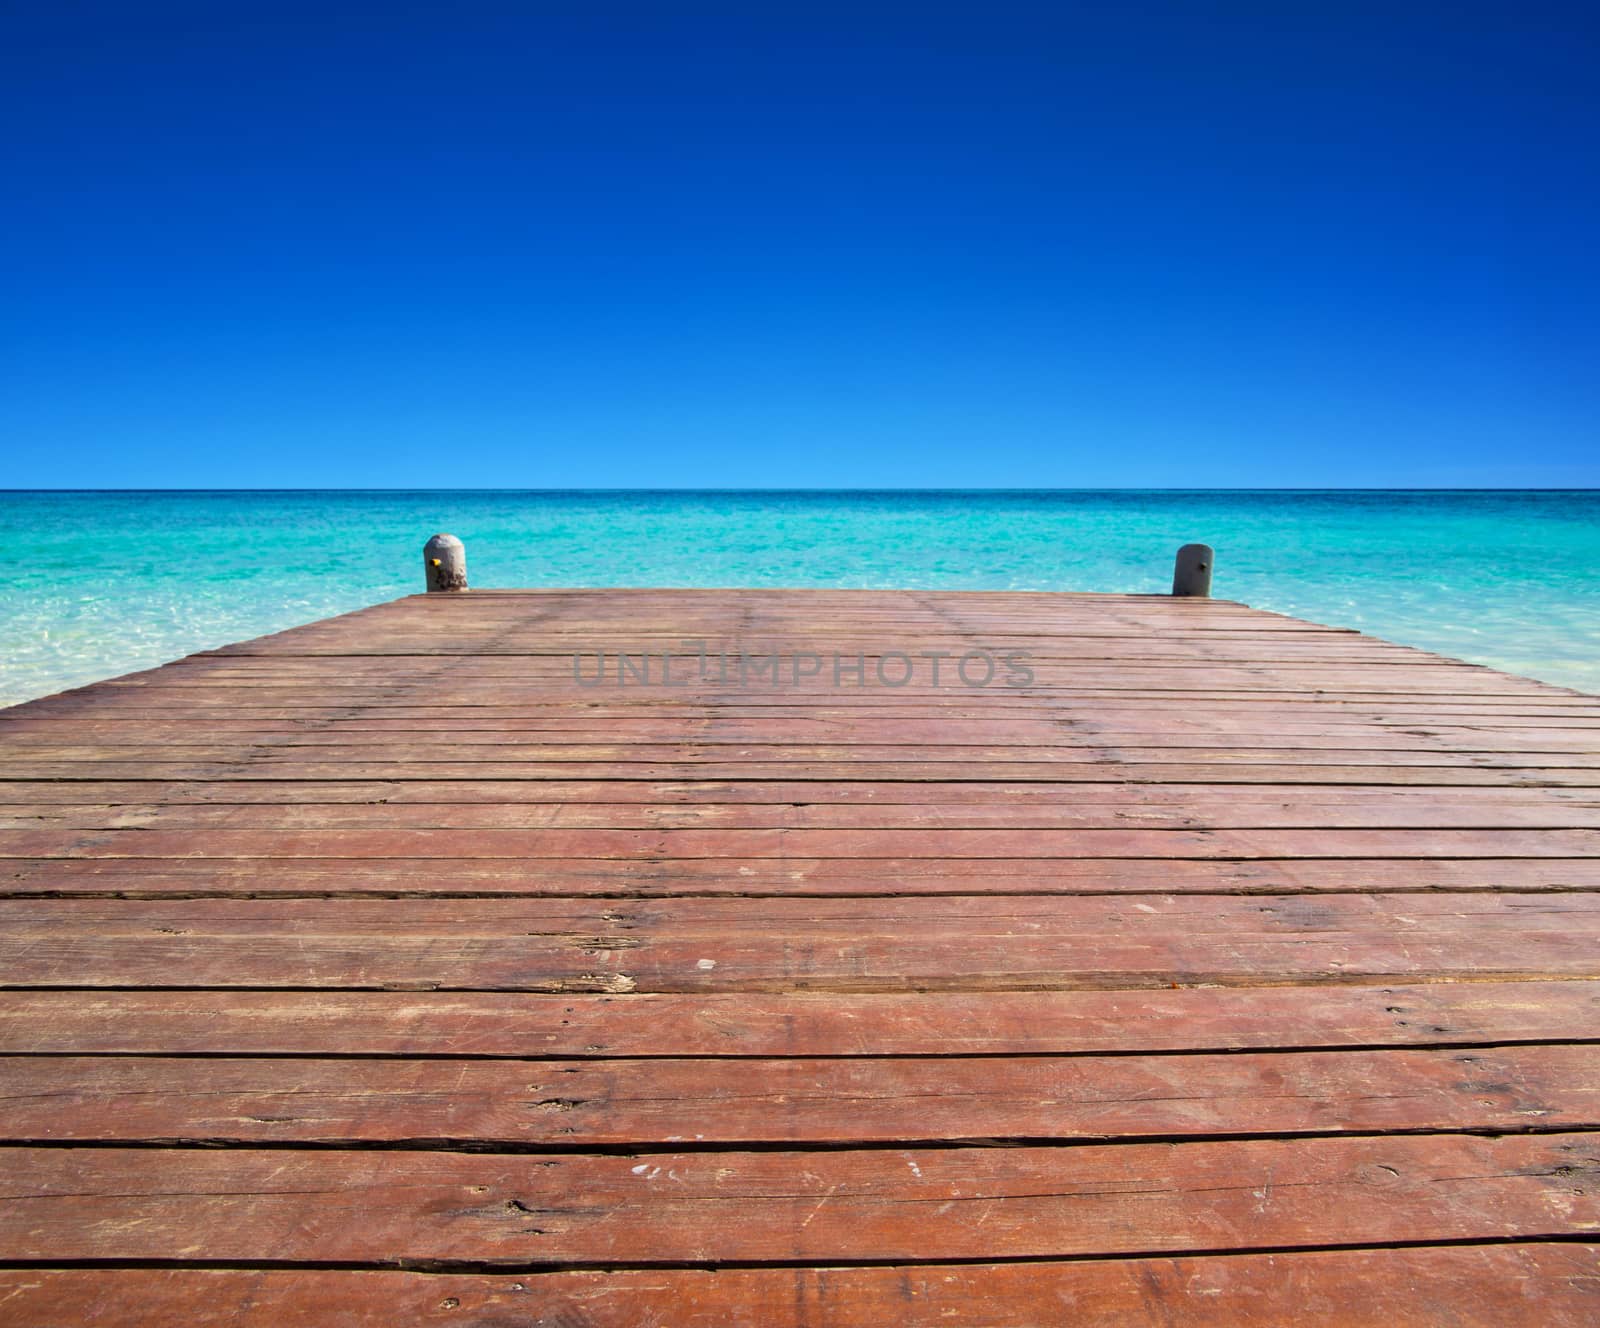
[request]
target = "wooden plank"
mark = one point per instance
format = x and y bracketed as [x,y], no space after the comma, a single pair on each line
[1025,798]
[172,689]
[879,944]
[538,658]
[114,704]
[489,758]
[521,1210]
[1389,684]
[563,705]
[1533,810]
[686,843]
[1482,1286]
[493,738]
[877,720]
[745,1023]
[796,877]
[852,1100]
[1246,771]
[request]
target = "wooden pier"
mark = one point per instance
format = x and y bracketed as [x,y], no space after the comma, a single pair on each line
[1227,969]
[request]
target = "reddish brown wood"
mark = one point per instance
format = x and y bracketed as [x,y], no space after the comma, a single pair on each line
[614,757]
[1292,920]
[518,1104]
[871,944]
[722,844]
[1228,815]
[796,1024]
[644,878]
[1480,773]
[221,1206]
[1484,1286]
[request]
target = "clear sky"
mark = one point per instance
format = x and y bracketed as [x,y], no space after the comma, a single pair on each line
[771,244]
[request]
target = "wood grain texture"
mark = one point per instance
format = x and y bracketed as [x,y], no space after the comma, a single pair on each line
[581,1025]
[873,944]
[532,1103]
[921,1204]
[1230,970]
[791,877]
[1489,1286]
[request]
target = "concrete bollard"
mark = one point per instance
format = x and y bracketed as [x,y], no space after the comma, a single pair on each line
[1192,575]
[444,562]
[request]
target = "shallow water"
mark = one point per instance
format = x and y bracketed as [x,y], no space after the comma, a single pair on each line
[105,583]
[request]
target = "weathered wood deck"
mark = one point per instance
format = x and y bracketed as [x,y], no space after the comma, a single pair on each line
[1236,971]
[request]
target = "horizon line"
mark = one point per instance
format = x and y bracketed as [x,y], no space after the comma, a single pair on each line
[783,489]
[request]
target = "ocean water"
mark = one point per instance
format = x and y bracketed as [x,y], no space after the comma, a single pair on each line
[105,583]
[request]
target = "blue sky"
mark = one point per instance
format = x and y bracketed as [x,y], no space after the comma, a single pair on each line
[813,245]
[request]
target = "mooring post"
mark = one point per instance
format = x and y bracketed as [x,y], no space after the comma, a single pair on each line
[444,562]
[1192,575]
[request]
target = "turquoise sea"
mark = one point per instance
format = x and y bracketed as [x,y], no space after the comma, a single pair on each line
[104,583]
